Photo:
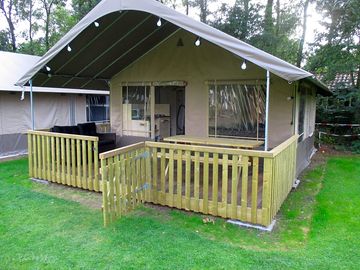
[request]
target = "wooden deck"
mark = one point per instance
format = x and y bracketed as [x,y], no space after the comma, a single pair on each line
[247,185]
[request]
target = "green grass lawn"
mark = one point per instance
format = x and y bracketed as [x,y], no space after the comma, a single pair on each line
[318,228]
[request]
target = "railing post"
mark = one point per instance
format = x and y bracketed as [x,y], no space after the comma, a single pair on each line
[30,155]
[266,197]
[104,192]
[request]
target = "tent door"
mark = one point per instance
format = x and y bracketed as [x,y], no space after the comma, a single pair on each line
[169,111]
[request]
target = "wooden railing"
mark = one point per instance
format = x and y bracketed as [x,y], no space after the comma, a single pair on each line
[239,184]
[283,173]
[64,158]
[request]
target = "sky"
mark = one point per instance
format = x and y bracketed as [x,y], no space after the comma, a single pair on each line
[313,24]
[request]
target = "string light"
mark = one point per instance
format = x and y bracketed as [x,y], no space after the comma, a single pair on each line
[198,42]
[69,48]
[96,24]
[243,65]
[48,68]
[159,22]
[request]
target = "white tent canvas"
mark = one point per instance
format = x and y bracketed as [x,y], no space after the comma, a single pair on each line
[52,106]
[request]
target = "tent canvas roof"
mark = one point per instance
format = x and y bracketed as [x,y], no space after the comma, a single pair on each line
[126,31]
[14,65]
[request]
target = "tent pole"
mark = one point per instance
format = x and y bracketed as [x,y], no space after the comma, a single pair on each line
[32,106]
[267,110]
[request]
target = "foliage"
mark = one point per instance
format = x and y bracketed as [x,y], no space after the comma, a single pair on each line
[4,41]
[314,230]
[337,49]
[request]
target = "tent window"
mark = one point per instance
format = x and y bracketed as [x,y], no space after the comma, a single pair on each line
[97,108]
[306,117]
[136,111]
[237,110]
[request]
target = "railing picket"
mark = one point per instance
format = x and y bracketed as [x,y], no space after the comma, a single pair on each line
[244,187]
[43,158]
[133,179]
[234,186]
[105,193]
[78,162]
[53,163]
[122,180]
[96,166]
[90,166]
[110,164]
[187,179]
[155,175]
[39,173]
[179,179]
[117,169]
[34,147]
[224,184]
[215,184]
[48,159]
[254,189]
[162,197]
[206,184]
[63,175]
[148,174]
[68,163]
[128,182]
[73,163]
[58,161]
[30,155]
[171,177]
[196,180]
[84,166]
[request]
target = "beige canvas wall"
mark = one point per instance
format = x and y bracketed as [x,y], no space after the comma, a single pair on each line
[196,65]
[49,110]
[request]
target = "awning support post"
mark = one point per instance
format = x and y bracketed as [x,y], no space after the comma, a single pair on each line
[32,106]
[267,110]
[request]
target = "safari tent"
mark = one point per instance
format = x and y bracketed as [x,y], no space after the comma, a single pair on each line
[204,121]
[52,106]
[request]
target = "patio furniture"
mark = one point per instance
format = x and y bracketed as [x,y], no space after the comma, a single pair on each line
[107,141]
[236,143]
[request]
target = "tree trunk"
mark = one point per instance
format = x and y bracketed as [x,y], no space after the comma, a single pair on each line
[8,16]
[47,26]
[30,27]
[203,10]
[269,24]
[302,40]
[277,29]
[245,21]
[12,34]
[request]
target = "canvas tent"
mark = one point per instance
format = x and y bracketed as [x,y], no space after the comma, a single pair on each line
[52,106]
[127,43]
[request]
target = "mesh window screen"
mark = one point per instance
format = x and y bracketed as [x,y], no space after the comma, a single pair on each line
[237,110]
[97,108]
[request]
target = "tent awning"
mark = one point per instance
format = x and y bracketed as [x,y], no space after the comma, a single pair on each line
[90,54]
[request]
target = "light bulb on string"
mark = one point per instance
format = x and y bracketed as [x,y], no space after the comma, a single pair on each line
[243,65]
[159,23]
[198,42]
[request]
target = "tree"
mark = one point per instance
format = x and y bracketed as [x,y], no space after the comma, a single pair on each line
[28,11]
[337,49]
[302,39]
[8,10]
[243,20]
[83,7]
[4,41]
